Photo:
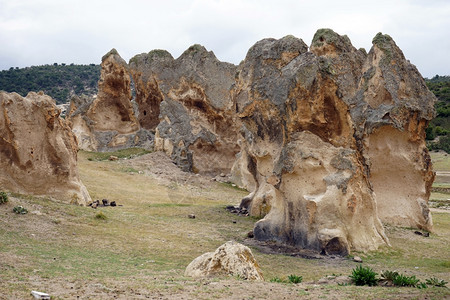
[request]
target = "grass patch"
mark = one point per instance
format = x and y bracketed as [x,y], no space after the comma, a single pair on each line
[124,153]
[101,216]
[441,161]
[233,186]
[170,205]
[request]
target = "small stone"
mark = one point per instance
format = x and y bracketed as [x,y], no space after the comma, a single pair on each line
[40,295]
[94,205]
[418,232]
[250,234]
[113,203]
[112,157]
[426,234]
[191,216]
[105,202]
[357,259]
[234,221]
[222,174]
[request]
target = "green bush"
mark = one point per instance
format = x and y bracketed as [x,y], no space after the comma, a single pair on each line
[364,276]
[389,275]
[101,216]
[436,282]
[20,210]
[276,279]
[402,280]
[3,197]
[295,279]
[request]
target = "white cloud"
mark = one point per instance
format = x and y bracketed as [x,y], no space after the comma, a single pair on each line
[37,32]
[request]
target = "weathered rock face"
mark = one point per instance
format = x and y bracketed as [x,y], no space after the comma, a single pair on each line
[187,101]
[399,107]
[38,152]
[231,259]
[319,132]
[109,122]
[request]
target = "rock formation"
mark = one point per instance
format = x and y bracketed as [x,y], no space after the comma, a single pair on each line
[319,132]
[231,258]
[38,152]
[109,122]
[328,139]
[187,101]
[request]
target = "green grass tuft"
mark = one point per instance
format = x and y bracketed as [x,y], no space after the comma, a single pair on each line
[101,216]
[364,276]
[124,153]
[295,279]
[3,197]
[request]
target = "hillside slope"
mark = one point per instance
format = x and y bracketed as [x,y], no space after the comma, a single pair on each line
[60,81]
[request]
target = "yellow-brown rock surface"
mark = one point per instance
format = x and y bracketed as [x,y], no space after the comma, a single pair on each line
[334,140]
[108,121]
[38,152]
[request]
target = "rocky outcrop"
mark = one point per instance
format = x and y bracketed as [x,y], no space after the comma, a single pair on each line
[187,101]
[399,107]
[108,121]
[328,139]
[231,259]
[38,152]
[319,132]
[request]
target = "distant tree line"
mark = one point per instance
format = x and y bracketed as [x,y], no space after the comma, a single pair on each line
[60,81]
[438,131]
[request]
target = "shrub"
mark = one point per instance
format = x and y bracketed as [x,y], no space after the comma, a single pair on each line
[276,279]
[3,197]
[20,210]
[436,282]
[364,276]
[389,275]
[101,216]
[402,280]
[295,279]
[422,285]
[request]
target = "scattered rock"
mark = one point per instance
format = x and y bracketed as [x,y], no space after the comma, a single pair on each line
[191,216]
[112,158]
[231,258]
[40,295]
[250,234]
[357,259]
[240,211]
[113,203]
[105,202]
[222,174]
[425,234]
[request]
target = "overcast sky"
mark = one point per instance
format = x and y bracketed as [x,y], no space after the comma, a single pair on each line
[37,32]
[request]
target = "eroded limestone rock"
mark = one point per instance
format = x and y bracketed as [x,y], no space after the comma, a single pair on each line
[319,132]
[231,259]
[38,152]
[108,121]
[187,101]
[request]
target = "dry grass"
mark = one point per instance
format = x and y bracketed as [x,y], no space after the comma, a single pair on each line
[142,247]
